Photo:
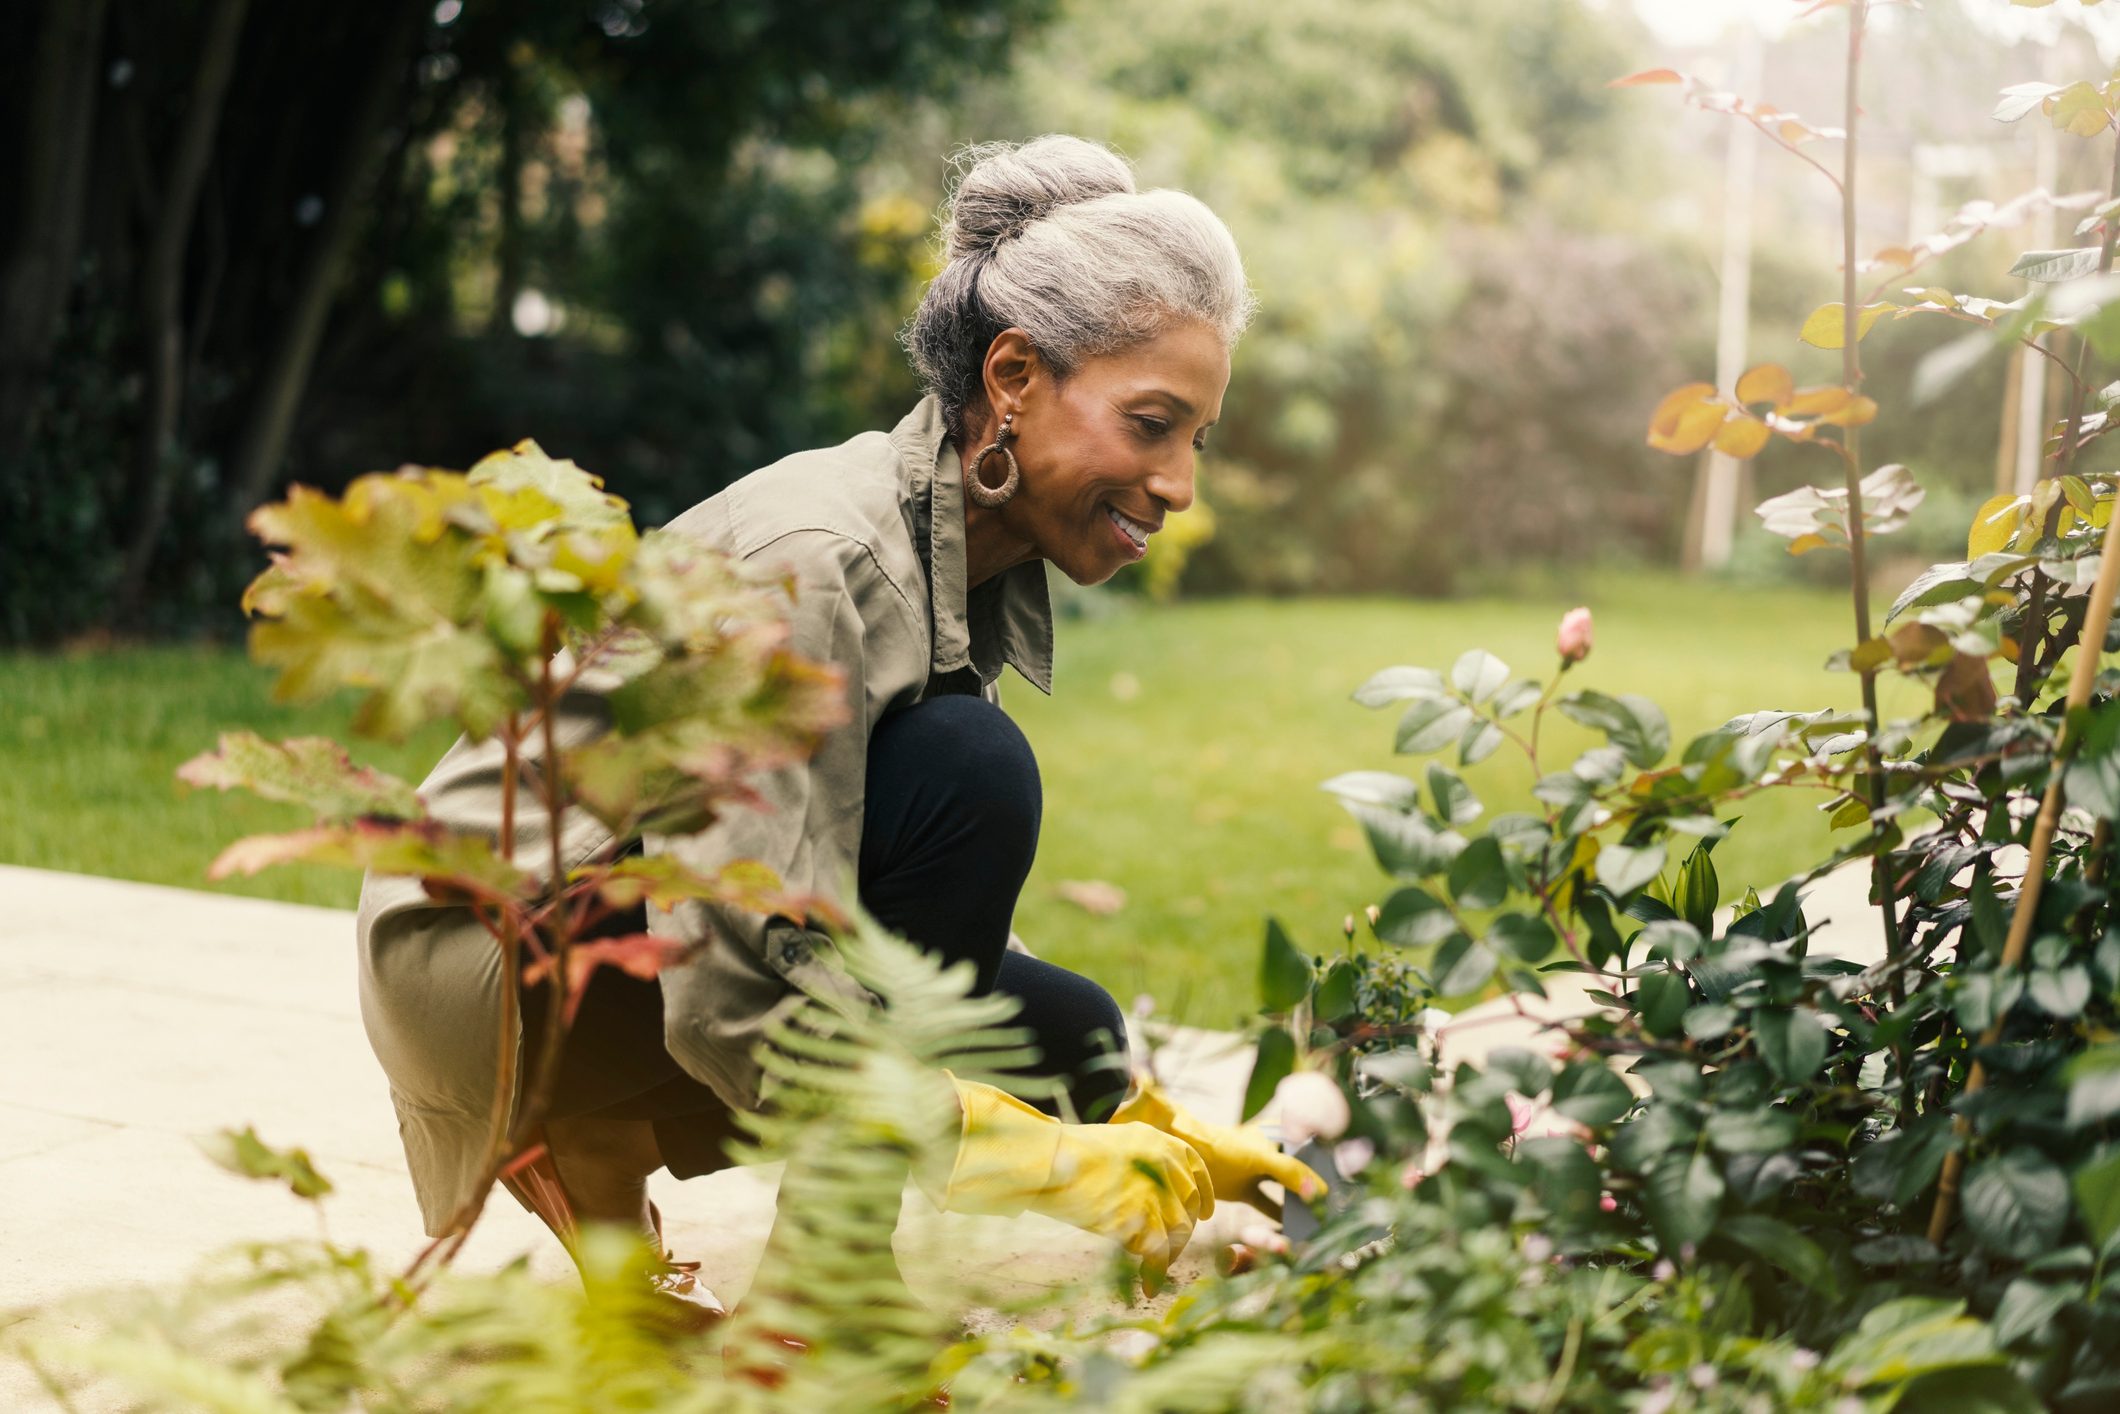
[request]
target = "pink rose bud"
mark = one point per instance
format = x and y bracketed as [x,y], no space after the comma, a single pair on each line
[1312,1107]
[1574,636]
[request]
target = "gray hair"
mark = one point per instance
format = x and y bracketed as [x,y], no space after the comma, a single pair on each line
[1051,237]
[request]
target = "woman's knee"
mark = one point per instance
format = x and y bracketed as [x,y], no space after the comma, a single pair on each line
[972,756]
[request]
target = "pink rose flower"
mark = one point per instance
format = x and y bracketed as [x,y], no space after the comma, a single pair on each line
[1574,636]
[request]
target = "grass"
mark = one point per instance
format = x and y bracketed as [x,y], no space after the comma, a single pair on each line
[1181,757]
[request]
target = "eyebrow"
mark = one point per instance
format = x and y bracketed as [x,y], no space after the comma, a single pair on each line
[1184,407]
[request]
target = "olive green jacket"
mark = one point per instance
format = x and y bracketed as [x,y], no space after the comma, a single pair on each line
[873,531]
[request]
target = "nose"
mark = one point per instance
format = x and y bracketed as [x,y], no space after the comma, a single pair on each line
[1172,481]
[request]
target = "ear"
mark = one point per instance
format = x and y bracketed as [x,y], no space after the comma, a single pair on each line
[1012,368]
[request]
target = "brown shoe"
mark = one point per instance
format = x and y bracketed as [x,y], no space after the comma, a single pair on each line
[533,1179]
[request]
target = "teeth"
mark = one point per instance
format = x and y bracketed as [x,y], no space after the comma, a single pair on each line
[1135,531]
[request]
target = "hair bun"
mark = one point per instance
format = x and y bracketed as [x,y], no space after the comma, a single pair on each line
[1002,187]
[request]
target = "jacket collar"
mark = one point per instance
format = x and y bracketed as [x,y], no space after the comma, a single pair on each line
[1006,620]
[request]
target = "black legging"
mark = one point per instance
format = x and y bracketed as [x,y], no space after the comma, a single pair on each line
[949,828]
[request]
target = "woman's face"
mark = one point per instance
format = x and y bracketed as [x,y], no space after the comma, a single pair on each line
[1107,452]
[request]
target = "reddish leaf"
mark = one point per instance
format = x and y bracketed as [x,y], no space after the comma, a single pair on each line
[1966,690]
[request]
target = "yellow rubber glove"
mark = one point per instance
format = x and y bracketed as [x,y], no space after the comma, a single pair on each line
[1144,1188]
[1239,1157]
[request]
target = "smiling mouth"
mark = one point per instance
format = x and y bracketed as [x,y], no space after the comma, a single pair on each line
[1135,532]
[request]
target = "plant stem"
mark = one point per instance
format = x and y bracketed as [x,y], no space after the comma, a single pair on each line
[2081,678]
[1882,883]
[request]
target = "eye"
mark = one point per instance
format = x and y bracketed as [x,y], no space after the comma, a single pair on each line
[1153,426]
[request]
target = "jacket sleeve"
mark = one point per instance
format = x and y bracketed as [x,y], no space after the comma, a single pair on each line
[746,967]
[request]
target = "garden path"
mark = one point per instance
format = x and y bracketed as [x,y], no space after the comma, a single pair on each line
[134,1017]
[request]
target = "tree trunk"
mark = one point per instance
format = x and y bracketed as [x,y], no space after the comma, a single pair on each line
[509,280]
[56,146]
[162,296]
[263,446]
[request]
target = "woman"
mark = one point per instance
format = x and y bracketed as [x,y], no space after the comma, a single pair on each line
[1075,348]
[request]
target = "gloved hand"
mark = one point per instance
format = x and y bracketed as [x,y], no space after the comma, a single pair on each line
[1125,1181]
[1239,1157]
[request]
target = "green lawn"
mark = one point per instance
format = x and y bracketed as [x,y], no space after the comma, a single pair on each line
[1181,755]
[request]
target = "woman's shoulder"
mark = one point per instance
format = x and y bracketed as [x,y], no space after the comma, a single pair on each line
[830,513]
[851,491]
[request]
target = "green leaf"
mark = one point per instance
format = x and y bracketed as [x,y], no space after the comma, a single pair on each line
[1455,804]
[1763,1131]
[1514,697]
[1399,684]
[1480,741]
[1413,917]
[1275,1062]
[1565,1178]
[1699,891]
[1525,934]
[2097,1187]
[1910,1336]
[2094,1086]
[1336,994]
[1710,1022]
[1478,877]
[2092,778]
[242,1152]
[1463,966]
[313,772]
[2022,98]
[1623,869]
[2016,1202]
[1900,1165]
[1968,1389]
[1284,973]
[1478,674]
[2051,266]
[1662,1127]
[1793,1043]
[1407,846]
[1784,1247]
[1661,999]
[1378,788]
[1589,1093]
[1682,1194]
[1634,724]
[1431,724]
[2061,992]
[2027,1308]
[1404,1069]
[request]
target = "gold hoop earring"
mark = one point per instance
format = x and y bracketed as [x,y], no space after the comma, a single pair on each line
[977,489]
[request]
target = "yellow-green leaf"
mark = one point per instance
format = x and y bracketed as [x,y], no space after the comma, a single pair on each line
[1857,411]
[1994,525]
[1686,420]
[1742,437]
[2079,109]
[1767,383]
[1827,326]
